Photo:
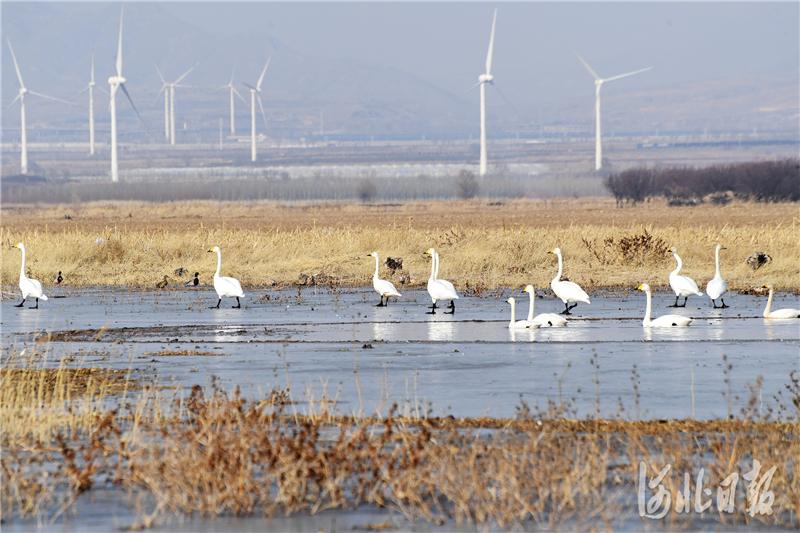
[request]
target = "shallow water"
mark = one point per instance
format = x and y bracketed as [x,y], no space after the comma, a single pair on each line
[468,364]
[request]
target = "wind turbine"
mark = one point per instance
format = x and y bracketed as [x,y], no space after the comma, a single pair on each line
[21,97]
[483,79]
[598,82]
[253,94]
[90,88]
[169,115]
[117,82]
[232,91]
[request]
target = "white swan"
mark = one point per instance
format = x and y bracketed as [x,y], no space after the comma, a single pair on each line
[568,292]
[543,319]
[716,288]
[436,274]
[382,287]
[682,285]
[28,286]
[780,313]
[437,289]
[519,324]
[229,287]
[662,321]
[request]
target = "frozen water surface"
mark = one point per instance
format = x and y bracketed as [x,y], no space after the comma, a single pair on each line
[468,364]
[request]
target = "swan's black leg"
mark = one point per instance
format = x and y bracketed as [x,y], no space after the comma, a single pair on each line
[566,309]
[676,302]
[572,306]
[381,304]
[238,304]
[216,306]
[21,303]
[432,309]
[433,306]
[35,306]
[452,308]
[685,299]
[723,303]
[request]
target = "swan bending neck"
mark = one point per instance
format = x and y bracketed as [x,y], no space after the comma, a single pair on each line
[680,265]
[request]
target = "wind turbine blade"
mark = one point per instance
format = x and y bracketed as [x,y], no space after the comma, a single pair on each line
[80,93]
[119,48]
[92,67]
[249,86]
[240,97]
[163,87]
[160,76]
[491,46]
[102,90]
[628,74]
[14,101]
[132,105]
[40,95]
[585,64]
[258,87]
[232,74]
[16,66]
[186,73]
[505,99]
[262,113]
[471,89]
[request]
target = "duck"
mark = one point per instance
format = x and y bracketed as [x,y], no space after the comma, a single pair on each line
[439,289]
[163,283]
[780,314]
[29,287]
[519,324]
[194,282]
[716,288]
[682,285]
[662,321]
[543,319]
[385,288]
[228,287]
[567,291]
[58,279]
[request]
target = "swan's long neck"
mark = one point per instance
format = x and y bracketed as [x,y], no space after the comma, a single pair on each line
[436,273]
[22,268]
[219,263]
[767,311]
[513,314]
[560,268]
[716,254]
[647,310]
[530,308]
[680,264]
[376,267]
[433,269]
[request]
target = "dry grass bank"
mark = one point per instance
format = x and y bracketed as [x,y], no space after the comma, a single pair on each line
[216,453]
[481,243]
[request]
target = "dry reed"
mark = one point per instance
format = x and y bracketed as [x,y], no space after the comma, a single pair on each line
[492,253]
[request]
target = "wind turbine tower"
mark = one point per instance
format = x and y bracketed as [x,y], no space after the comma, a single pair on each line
[169,113]
[21,97]
[90,88]
[483,79]
[598,82]
[253,95]
[117,82]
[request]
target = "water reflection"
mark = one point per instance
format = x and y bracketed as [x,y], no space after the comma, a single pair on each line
[522,335]
[383,331]
[441,331]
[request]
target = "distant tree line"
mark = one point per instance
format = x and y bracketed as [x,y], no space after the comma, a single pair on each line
[763,181]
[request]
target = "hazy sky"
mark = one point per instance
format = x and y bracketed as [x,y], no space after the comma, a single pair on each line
[445,44]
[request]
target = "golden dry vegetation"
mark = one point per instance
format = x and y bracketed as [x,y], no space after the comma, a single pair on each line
[482,243]
[214,452]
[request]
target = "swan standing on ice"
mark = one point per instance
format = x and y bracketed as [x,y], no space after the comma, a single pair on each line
[768,313]
[682,285]
[519,324]
[543,319]
[717,287]
[229,287]
[440,289]
[382,287]
[568,292]
[662,321]
[28,286]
